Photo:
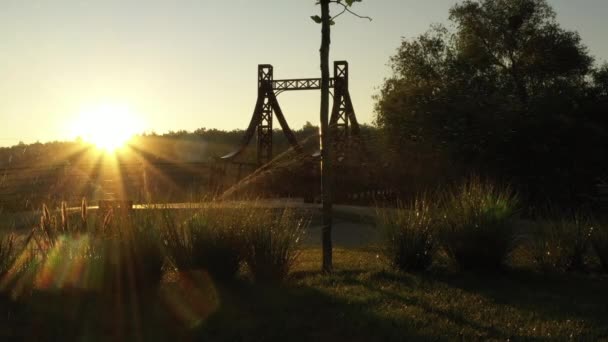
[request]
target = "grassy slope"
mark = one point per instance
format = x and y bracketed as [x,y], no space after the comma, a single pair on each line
[360,302]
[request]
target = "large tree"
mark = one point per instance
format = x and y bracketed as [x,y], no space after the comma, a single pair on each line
[507,92]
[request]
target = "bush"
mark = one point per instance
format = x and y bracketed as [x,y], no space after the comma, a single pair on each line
[7,253]
[12,264]
[599,240]
[212,239]
[409,235]
[561,244]
[122,254]
[477,226]
[271,240]
[17,265]
[140,249]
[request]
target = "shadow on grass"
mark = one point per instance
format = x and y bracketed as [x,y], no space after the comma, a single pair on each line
[74,315]
[555,296]
[295,313]
[353,305]
[374,283]
[200,310]
[559,298]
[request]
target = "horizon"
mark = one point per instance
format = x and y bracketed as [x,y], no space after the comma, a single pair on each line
[174,70]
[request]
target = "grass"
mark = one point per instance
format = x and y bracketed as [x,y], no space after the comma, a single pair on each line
[281,297]
[212,240]
[7,252]
[219,240]
[271,242]
[360,301]
[121,252]
[561,244]
[409,235]
[599,240]
[478,227]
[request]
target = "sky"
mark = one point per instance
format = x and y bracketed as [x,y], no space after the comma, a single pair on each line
[186,64]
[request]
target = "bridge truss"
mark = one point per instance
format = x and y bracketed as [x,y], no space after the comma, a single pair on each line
[343,122]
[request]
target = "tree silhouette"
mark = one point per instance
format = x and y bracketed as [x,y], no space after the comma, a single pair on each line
[326,156]
[508,92]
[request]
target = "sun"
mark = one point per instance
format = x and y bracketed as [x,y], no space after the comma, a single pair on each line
[109,127]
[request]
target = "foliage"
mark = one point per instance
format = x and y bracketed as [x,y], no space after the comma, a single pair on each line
[7,253]
[212,239]
[477,227]
[121,253]
[272,238]
[561,244]
[506,92]
[142,245]
[410,235]
[599,240]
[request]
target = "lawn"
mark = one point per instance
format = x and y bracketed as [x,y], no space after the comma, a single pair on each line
[361,301]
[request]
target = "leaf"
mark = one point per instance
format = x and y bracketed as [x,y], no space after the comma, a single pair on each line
[350,2]
[316,19]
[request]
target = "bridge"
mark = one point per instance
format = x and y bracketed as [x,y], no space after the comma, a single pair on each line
[343,121]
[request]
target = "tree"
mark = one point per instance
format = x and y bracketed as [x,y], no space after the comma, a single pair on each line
[507,92]
[326,156]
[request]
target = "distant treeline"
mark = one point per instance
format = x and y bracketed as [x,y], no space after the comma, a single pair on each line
[200,145]
[174,166]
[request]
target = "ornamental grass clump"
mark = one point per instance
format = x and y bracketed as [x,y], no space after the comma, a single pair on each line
[122,252]
[272,238]
[8,253]
[409,235]
[212,240]
[599,240]
[134,249]
[561,244]
[477,227]
[52,228]
[11,271]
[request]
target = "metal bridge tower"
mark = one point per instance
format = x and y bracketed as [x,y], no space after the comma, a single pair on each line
[264,127]
[343,122]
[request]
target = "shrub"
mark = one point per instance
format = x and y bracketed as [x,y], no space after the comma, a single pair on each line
[477,225]
[125,253]
[140,249]
[17,264]
[409,235]
[599,240]
[8,274]
[8,254]
[561,244]
[51,229]
[271,240]
[212,239]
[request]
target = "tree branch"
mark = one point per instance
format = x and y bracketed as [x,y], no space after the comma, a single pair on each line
[346,9]
[339,14]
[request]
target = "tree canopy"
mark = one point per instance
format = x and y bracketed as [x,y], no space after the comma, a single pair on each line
[505,90]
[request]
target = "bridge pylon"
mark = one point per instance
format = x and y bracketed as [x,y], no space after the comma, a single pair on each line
[343,121]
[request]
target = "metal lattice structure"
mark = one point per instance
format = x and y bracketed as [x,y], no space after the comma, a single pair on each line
[343,121]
